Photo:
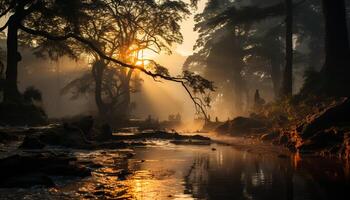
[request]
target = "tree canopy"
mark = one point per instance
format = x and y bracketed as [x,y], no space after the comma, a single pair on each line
[55,27]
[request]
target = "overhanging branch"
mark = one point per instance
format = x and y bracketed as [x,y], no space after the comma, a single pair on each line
[6,11]
[90,44]
[4,27]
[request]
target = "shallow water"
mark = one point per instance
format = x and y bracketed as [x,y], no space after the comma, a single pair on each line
[167,171]
[227,173]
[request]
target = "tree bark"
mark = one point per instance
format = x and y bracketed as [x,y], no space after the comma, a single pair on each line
[11,92]
[98,68]
[287,86]
[276,76]
[125,108]
[337,64]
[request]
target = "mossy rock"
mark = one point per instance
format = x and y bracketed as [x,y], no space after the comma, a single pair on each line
[66,136]
[242,126]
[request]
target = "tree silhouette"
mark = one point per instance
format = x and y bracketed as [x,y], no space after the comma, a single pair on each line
[46,14]
[232,43]
[287,84]
[337,64]
[124,31]
[266,44]
[58,22]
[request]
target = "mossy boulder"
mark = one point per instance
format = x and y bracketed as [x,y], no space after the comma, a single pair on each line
[241,126]
[66,136]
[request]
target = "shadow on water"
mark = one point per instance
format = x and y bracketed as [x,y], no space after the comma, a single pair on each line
[228,173]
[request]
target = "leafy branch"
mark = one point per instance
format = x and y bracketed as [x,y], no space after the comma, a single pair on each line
[188,79]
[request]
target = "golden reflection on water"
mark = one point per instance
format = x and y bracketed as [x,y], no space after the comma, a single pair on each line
[188,172]
[158,174]
[296,159]
[144,186]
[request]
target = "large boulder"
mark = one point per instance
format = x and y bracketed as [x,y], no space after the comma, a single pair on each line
[329,140]
[326,132]
[242,126]
[270,136]
[85,124]
[105,133]
[66,136]
[335,116]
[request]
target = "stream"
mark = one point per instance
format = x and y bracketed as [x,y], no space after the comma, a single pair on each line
[161,170]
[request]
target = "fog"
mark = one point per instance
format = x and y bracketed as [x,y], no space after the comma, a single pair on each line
[233,96]
[158,99]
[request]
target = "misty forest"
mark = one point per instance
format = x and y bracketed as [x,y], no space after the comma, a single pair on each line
[175,99]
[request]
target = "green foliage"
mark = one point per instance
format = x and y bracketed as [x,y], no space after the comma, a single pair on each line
[197,82]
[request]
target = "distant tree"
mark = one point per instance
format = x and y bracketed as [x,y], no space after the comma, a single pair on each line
[221,51]
[266,47]
[124,30]
[232,44]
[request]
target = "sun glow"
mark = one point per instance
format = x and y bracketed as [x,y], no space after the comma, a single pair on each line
[145,57]
[147,54]
[142,63]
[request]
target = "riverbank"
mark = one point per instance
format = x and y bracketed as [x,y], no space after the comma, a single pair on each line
[314,127]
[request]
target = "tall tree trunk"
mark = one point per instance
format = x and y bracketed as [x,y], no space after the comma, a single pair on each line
[11,92]
[276,76]
[238,86]
[287,85]
[127,94]
[337,64]
[315,55]
[98,68]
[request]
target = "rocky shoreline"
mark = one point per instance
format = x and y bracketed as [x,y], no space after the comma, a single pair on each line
[35,158]
[324,133]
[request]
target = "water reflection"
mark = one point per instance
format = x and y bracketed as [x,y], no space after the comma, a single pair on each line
[228,173]
[167,171]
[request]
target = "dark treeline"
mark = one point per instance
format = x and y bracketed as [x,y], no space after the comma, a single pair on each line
[296,52]
[269,45]
[111,34]
[281,48]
